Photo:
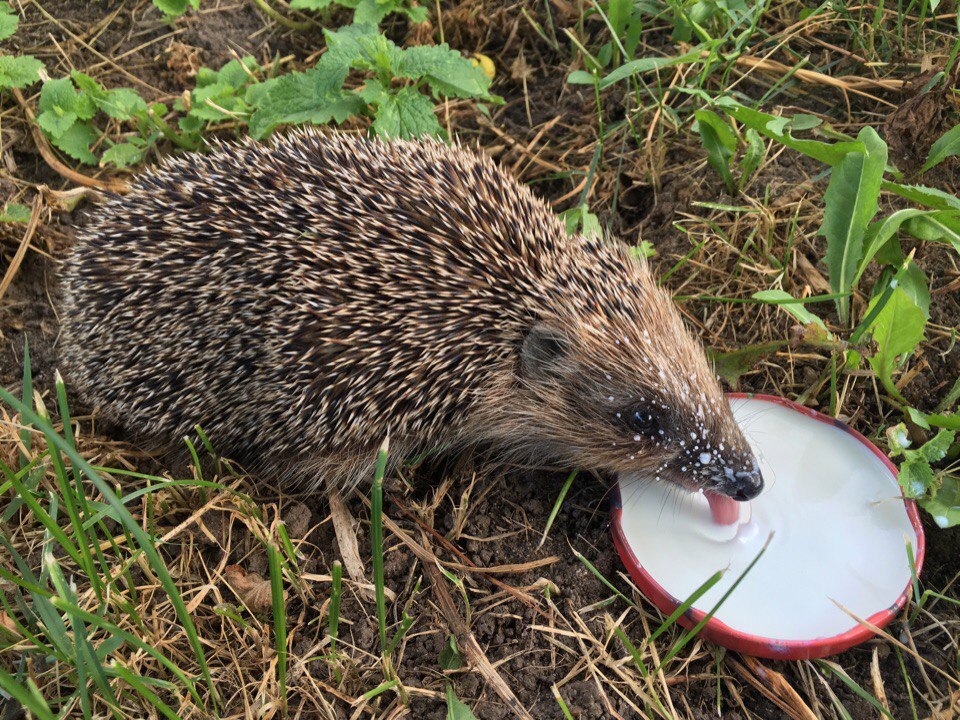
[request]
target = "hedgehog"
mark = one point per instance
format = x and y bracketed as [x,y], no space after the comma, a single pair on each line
[303,299]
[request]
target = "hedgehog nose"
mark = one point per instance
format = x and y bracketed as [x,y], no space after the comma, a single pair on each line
[749,484]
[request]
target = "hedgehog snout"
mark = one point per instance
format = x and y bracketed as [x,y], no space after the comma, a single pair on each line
[741,481]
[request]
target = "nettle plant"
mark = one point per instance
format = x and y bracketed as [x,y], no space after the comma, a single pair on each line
[392,95]
[99,126]
[891,326]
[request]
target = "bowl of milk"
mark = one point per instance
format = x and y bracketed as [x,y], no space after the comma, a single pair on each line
[836,535]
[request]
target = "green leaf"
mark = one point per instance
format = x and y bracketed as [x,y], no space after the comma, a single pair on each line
[720,143]
[850,204]
[753,156]
[18,72]
[456,710]
[61,106]
[371,11]
[642,65]
[447,71]
[786,302]
[897,330]
[778,128]
[406,114]
[176,8]
[931,197]
[123,154]
[731,365]
[880,238]
[15,213]
[941,226]
[76,142]
[450,657]
[122,103]
[310,4]
[8,21]
[947,145]
[944,504]
[314,96]
[935,449]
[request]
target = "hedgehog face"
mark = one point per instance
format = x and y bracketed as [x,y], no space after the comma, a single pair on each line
[643,402]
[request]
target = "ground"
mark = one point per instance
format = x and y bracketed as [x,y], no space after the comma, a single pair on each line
[544,622]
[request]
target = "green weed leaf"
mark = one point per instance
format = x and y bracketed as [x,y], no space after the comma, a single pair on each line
[9,20]
[406,114]
[123,154]
[720,143]
[314,96]
[947,145]
[447,71]
[18,72]
[897,330]
[786,302]
[450,657]
[850,204]
[456,710]
[176,8]
[15,213]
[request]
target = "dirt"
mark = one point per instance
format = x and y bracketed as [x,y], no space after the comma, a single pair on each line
[506,510]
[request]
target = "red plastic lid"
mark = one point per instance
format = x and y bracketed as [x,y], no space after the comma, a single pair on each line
[755,645]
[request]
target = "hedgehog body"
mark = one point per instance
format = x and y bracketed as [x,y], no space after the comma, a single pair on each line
[303,300]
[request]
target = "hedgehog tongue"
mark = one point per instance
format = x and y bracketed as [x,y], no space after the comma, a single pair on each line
[725,510]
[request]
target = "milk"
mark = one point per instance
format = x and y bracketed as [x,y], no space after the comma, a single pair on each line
[840,530]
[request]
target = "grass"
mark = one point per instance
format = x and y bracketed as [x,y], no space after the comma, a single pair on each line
[119,589]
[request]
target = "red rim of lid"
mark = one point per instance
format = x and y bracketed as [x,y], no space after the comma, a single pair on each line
[755,645]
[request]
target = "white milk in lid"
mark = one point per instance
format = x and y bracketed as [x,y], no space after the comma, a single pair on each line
[840,531]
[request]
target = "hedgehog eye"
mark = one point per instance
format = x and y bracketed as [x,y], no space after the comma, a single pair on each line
[641,421]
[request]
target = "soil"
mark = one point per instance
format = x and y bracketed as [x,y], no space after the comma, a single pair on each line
[504,509]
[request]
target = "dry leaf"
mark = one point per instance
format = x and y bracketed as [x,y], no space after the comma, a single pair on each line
[252,589]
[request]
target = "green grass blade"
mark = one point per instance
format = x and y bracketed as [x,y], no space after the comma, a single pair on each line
[279,617]
[376,540]
[144,542]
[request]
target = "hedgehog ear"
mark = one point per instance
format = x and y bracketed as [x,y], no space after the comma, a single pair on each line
[544,349]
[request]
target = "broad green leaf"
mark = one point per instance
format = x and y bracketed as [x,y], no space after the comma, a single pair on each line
[915,478]
[61,106]
[935,449]
[897,330]
[123,155]
[176,8]
[720,143]
[850,204]
[947,145]
[944,505]
[447,71]
[76,142]
[18,72]
[15,213]
[786,302]
[314,96]
[406,114]
[371,11]
[941,226]
[450,657]
[948,421]
[8,20]
[881,238]
[456,710]
[582,77]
